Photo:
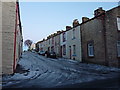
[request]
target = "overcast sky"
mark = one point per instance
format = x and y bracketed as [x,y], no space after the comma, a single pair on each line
[40,19]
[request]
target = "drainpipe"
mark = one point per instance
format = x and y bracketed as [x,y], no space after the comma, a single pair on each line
[14,64]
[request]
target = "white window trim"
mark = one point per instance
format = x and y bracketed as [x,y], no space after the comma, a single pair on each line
[64,49]
[118,47]
[118,23]
[89,54]
[73,36]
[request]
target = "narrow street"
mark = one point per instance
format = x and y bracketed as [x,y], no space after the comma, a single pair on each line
[37,71]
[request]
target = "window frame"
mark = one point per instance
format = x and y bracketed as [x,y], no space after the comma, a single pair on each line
[118,23]
[74,49]
[89,48]
[49,41]
[64,36]
[118,49]
[52,40]
[64,49]
[73,34]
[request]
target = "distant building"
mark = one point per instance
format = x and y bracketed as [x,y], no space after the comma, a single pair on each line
[57,43]
[101,37]
[48,43]
[32,46]
[12,40]
[40,45]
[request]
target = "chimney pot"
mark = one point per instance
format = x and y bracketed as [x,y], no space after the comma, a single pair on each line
[75,22]
[98,11]
[84,19]
[68,27]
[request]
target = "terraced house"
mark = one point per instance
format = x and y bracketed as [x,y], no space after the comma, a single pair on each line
[11,36]
[101,37]
[57,43]
[73,42]
[95,40]
[63,40]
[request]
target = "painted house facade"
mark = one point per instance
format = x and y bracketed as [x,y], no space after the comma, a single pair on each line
[48,43]
[41,45]
[57,43]
[12,39]
[74,42]
[63,46]
[101,36]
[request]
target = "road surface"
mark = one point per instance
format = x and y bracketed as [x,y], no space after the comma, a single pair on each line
[36,71]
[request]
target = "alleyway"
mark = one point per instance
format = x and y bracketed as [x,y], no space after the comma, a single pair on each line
[41,72]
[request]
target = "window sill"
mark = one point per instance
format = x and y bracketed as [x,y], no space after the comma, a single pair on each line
[118,56]
[74,55]
[118,30]
[91,56]
[73,38]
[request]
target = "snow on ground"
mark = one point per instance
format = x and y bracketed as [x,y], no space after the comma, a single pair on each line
[47,72]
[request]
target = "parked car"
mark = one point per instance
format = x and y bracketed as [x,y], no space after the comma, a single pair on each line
[33,51]
[53,55]
[41,53]
[47,54]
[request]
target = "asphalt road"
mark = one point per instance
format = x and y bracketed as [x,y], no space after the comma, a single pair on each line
[42,72]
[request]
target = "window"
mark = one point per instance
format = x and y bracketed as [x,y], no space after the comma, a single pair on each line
[49,49]
[90,49]
[74,49]
[64,39]
[49,41]
[118,48]
[118,23]
[52,49]
[73,34]
[52,40]
[64,49]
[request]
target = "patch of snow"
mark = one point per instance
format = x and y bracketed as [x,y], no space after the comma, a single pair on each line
[58,71]
[70,60]
[27,75]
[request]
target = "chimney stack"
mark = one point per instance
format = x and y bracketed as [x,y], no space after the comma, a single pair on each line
[84,19]
[58,32]
[68,28]
[98,11]
[75,22]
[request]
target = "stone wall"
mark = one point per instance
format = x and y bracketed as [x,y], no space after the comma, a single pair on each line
[112,36]
[8,29]
[93,31]
[0,37]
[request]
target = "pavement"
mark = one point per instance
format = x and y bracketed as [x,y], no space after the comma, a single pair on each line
[36,71]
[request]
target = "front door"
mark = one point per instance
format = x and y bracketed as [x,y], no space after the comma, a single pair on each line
[61,51]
